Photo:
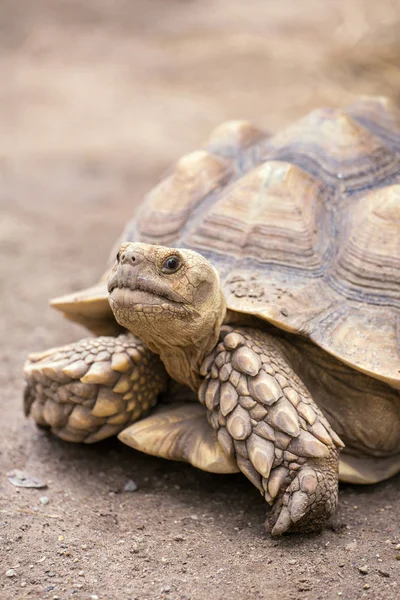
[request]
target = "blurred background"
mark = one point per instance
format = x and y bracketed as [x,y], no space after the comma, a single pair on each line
[135,84]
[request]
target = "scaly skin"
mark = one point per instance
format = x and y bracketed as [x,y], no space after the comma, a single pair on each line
[267,419]
[94,388]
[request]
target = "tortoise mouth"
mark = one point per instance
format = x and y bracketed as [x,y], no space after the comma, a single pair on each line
[142,290]
[138,300]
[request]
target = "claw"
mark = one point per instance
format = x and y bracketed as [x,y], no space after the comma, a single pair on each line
[283,522]
[297,508]
[298,505]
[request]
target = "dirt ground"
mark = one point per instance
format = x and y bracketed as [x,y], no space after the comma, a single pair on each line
[96,99]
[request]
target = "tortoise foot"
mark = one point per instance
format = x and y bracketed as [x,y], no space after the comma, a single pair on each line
[90,390]
[306,504]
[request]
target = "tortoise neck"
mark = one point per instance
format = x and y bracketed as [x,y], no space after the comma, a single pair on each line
[183,361]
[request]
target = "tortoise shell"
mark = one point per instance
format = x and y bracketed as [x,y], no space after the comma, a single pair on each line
[303,227]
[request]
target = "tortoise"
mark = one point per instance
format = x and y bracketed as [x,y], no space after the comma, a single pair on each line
[262,278]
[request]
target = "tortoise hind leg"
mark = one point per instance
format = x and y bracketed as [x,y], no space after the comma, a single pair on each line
[180,431]
[90,390]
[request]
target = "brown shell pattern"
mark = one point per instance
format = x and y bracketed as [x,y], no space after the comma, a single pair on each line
[303,226]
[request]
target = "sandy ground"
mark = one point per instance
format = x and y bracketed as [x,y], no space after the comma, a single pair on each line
[96,99]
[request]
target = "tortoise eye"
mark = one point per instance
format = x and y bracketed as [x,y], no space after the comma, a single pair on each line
[171,264]
[118,256]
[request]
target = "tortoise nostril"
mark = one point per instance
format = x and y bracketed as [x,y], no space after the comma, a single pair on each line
[127,257]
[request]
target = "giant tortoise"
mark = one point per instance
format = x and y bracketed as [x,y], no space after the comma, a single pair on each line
[256,294]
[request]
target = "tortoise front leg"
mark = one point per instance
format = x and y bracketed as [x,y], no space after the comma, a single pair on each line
[267,419]
[90,390]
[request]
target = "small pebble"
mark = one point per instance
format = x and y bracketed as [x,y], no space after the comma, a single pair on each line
[366,586]
[363,570]
[130,486]
[397,546]
[292,562]
[11,573]
[81,573]
[21,479]
[179,538]
[351,546]
[84,546]
[94,597]
[383,573]
[44,500]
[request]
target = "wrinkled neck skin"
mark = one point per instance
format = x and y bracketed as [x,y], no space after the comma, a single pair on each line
[182,358]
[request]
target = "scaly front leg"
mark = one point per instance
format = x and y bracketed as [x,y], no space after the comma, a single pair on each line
[92,389]
[267,419]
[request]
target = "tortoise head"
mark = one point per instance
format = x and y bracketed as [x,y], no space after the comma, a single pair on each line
[170,298]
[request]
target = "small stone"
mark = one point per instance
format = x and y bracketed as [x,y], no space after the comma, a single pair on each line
[383,573]
[44,500]
[363,570]
[60,538]
[179,538]
[366,586]
[81,573]
[292,562]
[23,583]
[351,546]
[84,546]
[94,597]
[21,479]
[11,573]
[130,486]
[397,546]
